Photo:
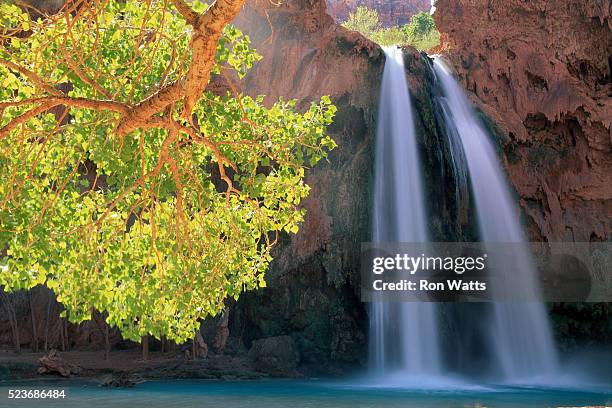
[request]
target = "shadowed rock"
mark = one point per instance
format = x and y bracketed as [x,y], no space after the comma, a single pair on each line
[52,363]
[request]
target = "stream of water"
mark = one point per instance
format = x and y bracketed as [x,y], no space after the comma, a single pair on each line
[519,332]
[403,335]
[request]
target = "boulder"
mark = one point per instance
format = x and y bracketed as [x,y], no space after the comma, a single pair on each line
[121,380]
[52,363]
[275,356]
[222,333]
[200,347]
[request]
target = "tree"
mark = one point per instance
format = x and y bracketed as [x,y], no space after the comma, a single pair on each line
[126,185]
[364,21]
[421,24]
[422,32]
[8,302]
[389,36]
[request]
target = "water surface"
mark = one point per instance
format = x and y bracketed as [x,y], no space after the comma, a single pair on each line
[294,394]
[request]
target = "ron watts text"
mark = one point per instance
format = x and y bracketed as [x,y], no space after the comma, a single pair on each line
[425,285]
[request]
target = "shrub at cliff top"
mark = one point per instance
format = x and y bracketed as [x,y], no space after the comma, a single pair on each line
[421,33]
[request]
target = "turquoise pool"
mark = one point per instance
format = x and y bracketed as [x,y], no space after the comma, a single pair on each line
[294,394]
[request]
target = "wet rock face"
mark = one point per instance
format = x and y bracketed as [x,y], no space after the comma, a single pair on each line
[541,71]
[391,12]
[446,198]
[275,355]
[313,293]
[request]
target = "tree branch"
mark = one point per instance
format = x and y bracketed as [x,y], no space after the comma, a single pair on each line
[71,101]
[139,114]
[219,156]
[190,15]
[36,80]
[207,31]
[23,118]
[52,101]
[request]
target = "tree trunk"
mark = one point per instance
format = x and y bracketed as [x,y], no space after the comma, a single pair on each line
[47,320]
[15,331]
[65,325]
[145,348]
[100,321]
[10,311]
[61,332]
[106,342]
[34,329]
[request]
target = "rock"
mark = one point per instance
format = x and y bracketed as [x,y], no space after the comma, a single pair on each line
[313,282]
[5,373]
[315,273]
[345,337]
[541,71]
[38,7]
[274,355]
[52,363]
[122,380]
[200,347]
[222,333]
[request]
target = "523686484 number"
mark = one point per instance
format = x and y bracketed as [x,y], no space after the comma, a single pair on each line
[36,394]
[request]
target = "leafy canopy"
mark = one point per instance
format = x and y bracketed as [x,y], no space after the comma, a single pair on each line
[421,33]
[363,20]
[421,24]
[126,185]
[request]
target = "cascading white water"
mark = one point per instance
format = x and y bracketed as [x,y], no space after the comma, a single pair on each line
[403,335]
[520,332]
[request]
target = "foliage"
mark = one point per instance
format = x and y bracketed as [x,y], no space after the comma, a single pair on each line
[389,36]
[127,186]
[363,20]
[421,24]
[421,33]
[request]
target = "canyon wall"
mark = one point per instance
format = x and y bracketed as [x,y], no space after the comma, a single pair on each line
[312,291]
[541,71]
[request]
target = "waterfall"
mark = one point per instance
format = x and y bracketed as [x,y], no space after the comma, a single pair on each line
[403,335]
[519,332]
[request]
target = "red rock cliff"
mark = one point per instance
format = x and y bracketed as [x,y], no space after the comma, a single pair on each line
[542,71]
